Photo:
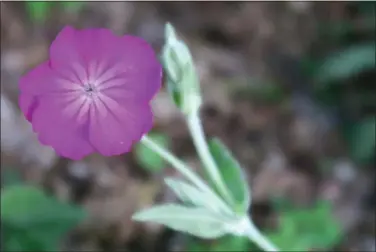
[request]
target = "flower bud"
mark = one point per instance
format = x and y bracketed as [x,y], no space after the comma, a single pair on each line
[182,79]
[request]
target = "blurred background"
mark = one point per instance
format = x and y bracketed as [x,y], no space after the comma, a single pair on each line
[287,87]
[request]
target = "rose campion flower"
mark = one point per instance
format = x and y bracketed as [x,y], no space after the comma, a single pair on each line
[93,93]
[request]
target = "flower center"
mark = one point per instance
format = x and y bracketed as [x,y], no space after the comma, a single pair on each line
[90,90]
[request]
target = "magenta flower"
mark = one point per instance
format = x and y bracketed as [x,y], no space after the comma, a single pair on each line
[93,94]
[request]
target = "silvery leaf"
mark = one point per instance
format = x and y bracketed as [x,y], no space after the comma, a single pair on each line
[189,194]
[198,222]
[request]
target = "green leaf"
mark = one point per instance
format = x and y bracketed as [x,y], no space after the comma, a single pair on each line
[226,243]
[232,174]
[10,177]
[198,222]
[72,6]
[38,10]
[363,140]
[347,63]
[305,229]
[35,221]
[147,158]
[193,196]
[231,243]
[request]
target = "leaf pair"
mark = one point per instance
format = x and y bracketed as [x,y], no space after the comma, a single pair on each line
[204,214]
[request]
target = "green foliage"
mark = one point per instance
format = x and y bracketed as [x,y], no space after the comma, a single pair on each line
[352,101]
[72,6]
[362,140]
[305,229]
[226,243]
[346,63]
[149,159]
[10,177]
[38,11]
[33,221]
[232,174]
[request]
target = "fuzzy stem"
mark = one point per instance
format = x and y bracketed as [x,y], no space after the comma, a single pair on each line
[257,237]
[199,140]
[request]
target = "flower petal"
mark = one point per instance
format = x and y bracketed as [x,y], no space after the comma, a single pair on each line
[61,122]
[81,49]
[113,128]
[64,49]
[43,80]
[125,83]
[27,104]
[139,70]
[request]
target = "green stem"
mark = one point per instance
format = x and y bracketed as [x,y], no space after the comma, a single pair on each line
[199,140]
[183,169]
[257,237]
